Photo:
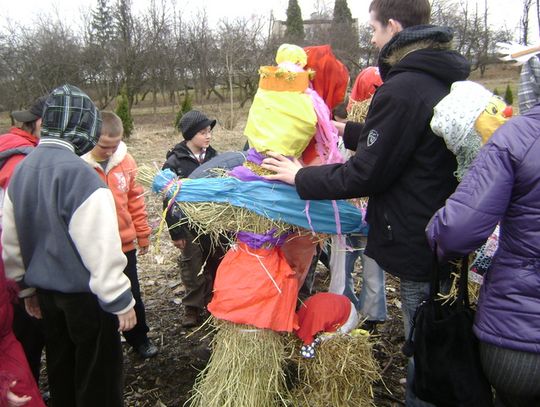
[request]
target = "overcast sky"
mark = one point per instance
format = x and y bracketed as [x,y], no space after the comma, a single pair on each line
[502,12]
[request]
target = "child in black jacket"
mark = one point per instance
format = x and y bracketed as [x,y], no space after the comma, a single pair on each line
[185,157]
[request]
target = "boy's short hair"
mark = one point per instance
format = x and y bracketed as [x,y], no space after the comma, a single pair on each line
[407,12]
[112,124]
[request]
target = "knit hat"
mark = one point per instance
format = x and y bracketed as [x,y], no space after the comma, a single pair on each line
[71,115]
[192,122]
[454,117]
[33,113]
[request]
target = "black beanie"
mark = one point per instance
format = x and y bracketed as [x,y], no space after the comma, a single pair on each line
[194,121]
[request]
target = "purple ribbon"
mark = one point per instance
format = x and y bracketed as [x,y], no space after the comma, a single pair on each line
[244,173]
[258,241]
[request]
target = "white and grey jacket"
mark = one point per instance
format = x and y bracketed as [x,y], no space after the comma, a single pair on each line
[60,230]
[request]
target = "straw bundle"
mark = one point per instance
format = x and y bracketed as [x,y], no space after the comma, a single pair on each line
[358,111]
[245,369]
[341,374]
[217,218]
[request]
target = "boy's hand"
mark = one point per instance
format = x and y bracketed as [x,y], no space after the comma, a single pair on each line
[143,250]
[15,401]
[285,169]
[127,320]
[179,244]
[32,306]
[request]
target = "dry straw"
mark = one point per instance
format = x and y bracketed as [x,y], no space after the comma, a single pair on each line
[473,287]
[341,374]
[245,369]
[358,111]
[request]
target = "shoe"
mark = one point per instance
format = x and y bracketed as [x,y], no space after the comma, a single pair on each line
[370,326]
[192,317]
[147,349]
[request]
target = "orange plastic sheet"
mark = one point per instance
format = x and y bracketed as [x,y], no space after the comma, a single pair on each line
[299,251]
[256,287]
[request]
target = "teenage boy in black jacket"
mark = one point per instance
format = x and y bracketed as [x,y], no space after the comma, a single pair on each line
[404,168]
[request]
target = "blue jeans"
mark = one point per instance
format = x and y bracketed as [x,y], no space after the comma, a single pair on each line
[412,294]
[371,302]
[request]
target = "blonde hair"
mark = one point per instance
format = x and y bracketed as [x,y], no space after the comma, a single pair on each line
[111,125]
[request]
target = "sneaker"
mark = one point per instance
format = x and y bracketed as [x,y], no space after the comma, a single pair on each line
[192,317]
[147,349]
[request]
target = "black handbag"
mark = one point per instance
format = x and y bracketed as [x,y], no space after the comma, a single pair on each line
[447,367]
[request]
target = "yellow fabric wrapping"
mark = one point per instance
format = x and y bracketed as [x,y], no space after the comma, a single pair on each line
[491,118]
[280,120]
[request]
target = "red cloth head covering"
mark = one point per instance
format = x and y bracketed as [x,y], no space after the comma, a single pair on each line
[365,85]
[331,76]
[322,312]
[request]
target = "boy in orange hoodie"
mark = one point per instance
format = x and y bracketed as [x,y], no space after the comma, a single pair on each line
[118,169]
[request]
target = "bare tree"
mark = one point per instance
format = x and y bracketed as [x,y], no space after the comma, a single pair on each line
[241,50]
[130,48]
[524,21]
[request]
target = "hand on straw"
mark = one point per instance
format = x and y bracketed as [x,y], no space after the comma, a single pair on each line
[284,168]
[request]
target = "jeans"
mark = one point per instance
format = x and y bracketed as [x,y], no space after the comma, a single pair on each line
[412,294]
[371,302]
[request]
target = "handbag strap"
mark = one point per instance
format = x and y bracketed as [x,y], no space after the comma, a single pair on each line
[463,288]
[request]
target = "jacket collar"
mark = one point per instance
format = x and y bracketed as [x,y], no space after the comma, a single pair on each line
[56,142]
[115,159]
[16,131]
[412,39]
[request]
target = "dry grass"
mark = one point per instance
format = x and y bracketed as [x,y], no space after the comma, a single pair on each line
[341,374]
[246,369]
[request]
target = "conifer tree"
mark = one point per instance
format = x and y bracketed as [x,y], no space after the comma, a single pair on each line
[102,24]
[508,96]
[123,111]
[344,36]
[295,24]
[184,108]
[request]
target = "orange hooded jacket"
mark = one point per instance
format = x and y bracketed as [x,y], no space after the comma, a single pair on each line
[119,176]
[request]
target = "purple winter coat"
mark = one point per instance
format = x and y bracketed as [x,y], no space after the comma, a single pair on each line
[502,185]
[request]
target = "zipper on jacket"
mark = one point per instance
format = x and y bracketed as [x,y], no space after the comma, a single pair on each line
[389,233]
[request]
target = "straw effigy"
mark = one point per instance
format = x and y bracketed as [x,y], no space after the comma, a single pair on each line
[246,369]
[341,374]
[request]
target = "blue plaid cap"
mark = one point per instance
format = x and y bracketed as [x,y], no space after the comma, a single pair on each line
[71,115]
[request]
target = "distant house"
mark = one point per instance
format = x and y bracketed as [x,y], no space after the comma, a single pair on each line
[316,23]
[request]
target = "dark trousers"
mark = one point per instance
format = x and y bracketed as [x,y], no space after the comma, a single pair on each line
[84,354]
[29,332]
[198,264]
[137,335]
[514,375]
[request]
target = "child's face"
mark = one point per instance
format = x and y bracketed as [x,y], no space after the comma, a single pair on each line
[202,138]
[381,34]
[106,146]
